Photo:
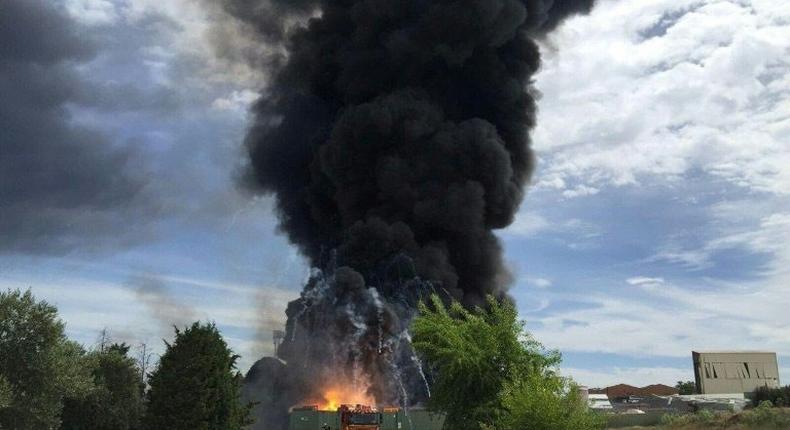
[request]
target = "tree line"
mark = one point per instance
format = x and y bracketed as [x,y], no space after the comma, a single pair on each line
[49,382]
[487,373]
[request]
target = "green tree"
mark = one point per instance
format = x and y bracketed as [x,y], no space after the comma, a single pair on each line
[686,387]
[491,373]
[40,366]
[196,386]
[116,401]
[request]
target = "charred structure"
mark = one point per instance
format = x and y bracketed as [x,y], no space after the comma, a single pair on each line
[394,136]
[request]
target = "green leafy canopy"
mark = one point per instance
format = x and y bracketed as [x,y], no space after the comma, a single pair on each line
[39,366]
[489,372]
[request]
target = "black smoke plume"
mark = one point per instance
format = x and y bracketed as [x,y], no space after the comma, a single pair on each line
[394,136]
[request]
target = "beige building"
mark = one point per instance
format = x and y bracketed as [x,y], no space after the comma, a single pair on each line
[728,372]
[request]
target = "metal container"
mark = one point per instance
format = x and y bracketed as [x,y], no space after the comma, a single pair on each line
[310,418]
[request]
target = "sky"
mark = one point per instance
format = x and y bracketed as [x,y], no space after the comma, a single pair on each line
[657,222]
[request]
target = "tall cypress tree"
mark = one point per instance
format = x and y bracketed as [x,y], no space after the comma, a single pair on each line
[196,386]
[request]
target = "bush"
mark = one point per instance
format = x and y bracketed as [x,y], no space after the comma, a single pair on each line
[686,387]
[765,416]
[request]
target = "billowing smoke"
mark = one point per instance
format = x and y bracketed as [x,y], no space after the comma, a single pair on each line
[152,292]
[394,136]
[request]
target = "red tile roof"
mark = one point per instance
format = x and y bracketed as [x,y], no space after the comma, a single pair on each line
[624,390]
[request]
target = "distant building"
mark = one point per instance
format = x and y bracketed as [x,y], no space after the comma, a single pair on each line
[727,372]
[660,390]
[599,402]
[624,391]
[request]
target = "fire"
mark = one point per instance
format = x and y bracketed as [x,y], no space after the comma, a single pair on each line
[337,396]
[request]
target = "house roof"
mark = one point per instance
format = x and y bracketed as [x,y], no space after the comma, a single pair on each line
[625,390]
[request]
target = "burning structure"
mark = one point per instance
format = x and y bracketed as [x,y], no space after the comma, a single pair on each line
[394,137]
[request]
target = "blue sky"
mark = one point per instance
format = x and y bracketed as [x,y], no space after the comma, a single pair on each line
[657,222]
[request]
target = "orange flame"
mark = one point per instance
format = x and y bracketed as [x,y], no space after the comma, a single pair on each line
[336,396]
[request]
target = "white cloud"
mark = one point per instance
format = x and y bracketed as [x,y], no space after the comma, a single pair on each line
[645,282]
[527,224]
[93,12]
[670,318]
[753,225]
[666,320]
[539,282]
[677,95]
[580,191]
[709,95]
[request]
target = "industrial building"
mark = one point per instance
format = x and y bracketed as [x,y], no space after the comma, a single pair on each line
[726,372]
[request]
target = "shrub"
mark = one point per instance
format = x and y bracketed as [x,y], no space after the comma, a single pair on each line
[765,416]
[704,418]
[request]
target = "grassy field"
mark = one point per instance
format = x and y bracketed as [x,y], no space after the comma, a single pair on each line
[764,417]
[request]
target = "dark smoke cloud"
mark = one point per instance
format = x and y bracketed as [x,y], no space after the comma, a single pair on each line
[58,180]
[394,136]
[409,115]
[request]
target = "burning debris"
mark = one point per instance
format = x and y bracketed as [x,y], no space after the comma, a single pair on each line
[394,136]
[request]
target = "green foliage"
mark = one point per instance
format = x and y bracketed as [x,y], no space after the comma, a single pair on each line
[474,354]
[778,396]
[116,401]
[6,394]
[686,387]
[490,373]
[38,363]
[196,386]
